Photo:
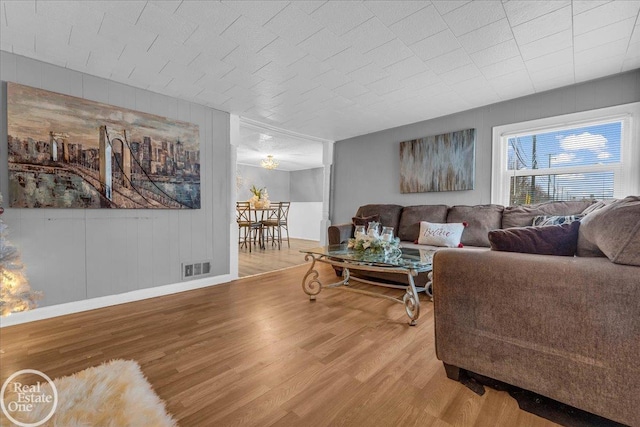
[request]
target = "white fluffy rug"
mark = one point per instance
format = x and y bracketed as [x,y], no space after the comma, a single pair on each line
[115,394]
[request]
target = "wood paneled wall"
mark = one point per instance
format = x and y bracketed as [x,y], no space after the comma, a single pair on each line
[75,254]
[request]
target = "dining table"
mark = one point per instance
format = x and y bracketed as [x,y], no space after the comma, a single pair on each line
[262,214]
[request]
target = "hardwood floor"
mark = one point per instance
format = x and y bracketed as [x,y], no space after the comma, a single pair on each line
[269,259]
[257,352]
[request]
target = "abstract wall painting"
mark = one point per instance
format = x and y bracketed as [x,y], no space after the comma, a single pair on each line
[438,163]
[68,152]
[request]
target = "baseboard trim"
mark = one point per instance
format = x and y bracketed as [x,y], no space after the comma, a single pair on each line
[48,312]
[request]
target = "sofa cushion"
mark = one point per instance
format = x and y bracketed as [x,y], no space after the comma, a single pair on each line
[541,220]
[546,240]
[389,214]
[480,220]
[614,231]
[356,220]
[436,234]
[409,227]
[522,216]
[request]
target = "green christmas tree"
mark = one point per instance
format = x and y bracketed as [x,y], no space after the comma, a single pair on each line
[15,293]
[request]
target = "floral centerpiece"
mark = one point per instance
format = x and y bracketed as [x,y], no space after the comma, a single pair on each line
[260,197]
[371,243]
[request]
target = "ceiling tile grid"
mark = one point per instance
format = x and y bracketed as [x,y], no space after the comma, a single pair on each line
[331,69]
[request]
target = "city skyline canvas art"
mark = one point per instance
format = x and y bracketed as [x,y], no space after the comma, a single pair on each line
[443,162]
[69,152]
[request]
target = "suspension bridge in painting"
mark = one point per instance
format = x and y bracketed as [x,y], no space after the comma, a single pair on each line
[122,172]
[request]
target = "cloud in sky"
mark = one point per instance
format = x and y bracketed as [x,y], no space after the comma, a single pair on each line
[563,158]
[604,155]
[584,141]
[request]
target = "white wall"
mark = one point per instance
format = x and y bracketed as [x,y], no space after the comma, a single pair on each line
[367,168]
[75,254]
[305,219]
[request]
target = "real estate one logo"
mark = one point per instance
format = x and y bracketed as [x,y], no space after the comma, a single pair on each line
[28,405]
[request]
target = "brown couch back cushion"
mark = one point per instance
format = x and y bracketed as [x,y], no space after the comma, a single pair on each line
[480,220]
[389,214]
[409,228]
[614,231]
[522,216]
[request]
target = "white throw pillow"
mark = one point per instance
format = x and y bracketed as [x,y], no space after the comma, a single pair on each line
[434,234]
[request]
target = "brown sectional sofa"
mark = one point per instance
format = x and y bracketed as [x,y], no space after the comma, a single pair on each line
[565,327]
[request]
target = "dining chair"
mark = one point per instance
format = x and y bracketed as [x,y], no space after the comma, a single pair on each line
[249,228]
[278,222]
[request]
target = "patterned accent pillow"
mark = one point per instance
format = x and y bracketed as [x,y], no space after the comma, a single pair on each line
[541,220]
[434,234]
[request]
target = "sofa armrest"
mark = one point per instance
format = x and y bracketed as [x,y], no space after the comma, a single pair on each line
[550,324]
[340,233]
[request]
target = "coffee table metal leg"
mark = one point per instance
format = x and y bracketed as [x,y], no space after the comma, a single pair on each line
[310,283]
[411,301]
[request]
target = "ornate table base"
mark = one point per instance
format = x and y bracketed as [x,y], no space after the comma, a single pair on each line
[312,285]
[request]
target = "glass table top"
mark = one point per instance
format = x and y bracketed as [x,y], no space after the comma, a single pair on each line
[418,259]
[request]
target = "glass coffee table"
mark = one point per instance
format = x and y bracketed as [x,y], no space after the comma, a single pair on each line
[409,264]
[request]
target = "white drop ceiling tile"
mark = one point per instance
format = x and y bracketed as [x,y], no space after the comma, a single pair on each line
[406,68]
[332,79]
[604,15]
[309,67]
[275,73]
[580,6]
[449,61]
[461,74]
[601,55]
[323,45]
[282,52]
[293,24]
[631,63]
[446,6]
[211,65]
[418,26]
[159,21]
[551,82]
[389,53]
[603,35]
[182,72]
[473,15]
[350,90]
[599,69]
[259,12]
[369,35]
[169,48]
[117,29]
[553,71]
[16,12]
[487,36]
[246,60]
[423,80]
[239,92]
[309,6]
[212,82]
[435,45]
[367,99]
[299,85]
[212,15]
[521,11]
[80,14]
[212,97]
[507,66]
[549,61]
[635,37]
[81,38]
[514,91]
[385,85]
[184,89]
[236,77]
[168,5]
[495,54]
[21,38]
[147,79]
[368,74]
[247,34]
[48,34]
[515,78]
[543,26]
[210,44]
[390,12]
[348,61]
[547,45]
[339,17]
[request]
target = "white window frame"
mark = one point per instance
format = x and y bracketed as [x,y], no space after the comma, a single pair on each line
[626,173]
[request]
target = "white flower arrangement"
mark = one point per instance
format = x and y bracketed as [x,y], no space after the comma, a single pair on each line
[373,244]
